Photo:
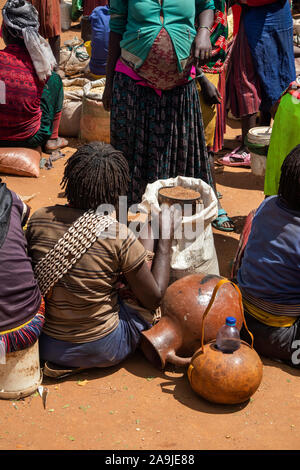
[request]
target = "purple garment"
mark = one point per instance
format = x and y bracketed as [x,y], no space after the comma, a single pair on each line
[20,297]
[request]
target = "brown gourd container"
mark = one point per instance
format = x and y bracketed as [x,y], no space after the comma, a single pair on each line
[178,334]
[225,378]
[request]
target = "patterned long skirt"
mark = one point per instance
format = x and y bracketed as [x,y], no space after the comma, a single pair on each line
[243,88]
[161,136]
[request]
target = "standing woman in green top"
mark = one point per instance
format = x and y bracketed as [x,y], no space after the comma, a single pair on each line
[156,118]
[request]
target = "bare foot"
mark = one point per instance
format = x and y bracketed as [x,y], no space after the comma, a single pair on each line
[56,144]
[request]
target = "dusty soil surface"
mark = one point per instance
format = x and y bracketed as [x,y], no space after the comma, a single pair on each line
[135,406]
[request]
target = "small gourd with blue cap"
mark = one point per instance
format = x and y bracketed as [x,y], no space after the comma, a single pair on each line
[223,376]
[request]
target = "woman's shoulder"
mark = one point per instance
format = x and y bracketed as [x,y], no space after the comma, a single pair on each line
[268,203]
[118,233]
[49,212]
[58,217]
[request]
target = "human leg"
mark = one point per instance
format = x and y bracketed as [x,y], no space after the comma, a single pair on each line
[275,343]
[55,46]
[209,113]
[222,222]
[244,95]
[63,358]
[51,106]
[55,142]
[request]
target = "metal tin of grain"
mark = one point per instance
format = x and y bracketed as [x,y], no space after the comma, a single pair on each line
[179,195]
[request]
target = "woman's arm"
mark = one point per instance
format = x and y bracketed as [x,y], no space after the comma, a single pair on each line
[150,286]
[118,20]
[203,45]
[114,53]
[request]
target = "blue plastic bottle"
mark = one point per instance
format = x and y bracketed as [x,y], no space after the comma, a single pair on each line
[228,336]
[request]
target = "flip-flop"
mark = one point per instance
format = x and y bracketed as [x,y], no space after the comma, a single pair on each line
[218,222]
[243,159]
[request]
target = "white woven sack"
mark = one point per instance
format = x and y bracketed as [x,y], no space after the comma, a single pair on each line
[194,255]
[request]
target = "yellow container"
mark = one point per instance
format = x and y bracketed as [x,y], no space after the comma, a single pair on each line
[88,46]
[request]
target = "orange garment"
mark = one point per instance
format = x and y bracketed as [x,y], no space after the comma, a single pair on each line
[49,16]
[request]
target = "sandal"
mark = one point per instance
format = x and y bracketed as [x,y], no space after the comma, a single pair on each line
[219,221]
[53,371]
[236,159]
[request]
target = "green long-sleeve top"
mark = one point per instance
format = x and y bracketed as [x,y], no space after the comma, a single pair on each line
[139,23]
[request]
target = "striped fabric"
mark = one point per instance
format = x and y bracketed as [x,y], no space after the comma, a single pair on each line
[272,308]
[25,335]
[243,86]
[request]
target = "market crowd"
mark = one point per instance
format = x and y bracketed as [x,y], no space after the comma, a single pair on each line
[173,74]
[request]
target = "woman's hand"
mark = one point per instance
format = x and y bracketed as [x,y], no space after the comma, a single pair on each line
[169,221]
[107,96]
[150,286]
[203,47]
[210,93]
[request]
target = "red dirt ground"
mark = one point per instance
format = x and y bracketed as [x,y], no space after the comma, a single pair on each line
[137,407]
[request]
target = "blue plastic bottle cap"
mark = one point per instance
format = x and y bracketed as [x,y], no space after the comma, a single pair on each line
[231,321]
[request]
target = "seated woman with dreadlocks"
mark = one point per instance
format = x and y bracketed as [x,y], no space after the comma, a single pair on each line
[32,98]
[87,324]
[270,270]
